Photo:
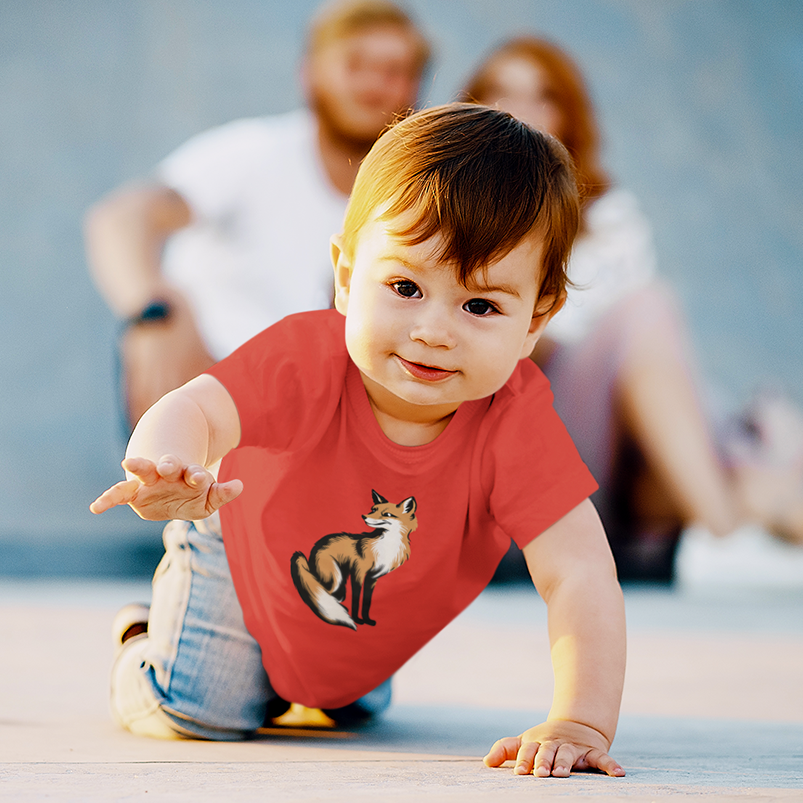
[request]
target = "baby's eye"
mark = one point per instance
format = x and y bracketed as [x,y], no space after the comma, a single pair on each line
[479,306]
[406,288]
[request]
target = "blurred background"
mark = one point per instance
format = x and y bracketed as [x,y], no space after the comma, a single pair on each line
[701,103]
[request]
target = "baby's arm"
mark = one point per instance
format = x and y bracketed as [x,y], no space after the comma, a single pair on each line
[170,451]
[572,568]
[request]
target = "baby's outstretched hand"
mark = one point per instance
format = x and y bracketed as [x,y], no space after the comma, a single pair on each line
[167,489]
[555,748]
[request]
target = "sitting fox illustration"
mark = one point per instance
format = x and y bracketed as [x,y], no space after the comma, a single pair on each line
[364,558]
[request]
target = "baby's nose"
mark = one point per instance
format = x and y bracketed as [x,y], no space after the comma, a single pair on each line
[435,328]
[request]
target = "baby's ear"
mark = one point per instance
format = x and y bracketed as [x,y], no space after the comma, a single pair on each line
[549,306]
[342,269]
[545,308]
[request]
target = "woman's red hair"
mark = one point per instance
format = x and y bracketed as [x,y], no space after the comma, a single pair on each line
[580,132]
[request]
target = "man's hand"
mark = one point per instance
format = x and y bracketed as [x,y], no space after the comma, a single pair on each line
[167,490]
[555,748]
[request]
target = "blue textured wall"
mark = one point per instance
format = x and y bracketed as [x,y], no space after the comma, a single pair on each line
[701,101]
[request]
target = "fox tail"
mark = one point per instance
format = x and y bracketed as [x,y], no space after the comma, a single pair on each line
[320,601]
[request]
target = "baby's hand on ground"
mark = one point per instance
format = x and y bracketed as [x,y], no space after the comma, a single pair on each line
[167,489]
[555,748]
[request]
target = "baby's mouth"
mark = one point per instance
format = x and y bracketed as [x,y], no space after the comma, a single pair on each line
[430,373]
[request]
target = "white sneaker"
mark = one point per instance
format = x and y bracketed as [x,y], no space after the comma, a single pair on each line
[129,622]
[748,558]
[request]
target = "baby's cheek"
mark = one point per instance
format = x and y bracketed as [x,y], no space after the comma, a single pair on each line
[359,346]
[499,369]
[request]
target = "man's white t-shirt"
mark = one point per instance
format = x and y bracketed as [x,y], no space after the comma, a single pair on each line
[263,212]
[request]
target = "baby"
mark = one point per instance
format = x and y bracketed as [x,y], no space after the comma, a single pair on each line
[411,409]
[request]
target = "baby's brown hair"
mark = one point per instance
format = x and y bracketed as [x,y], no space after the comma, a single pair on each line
[479,178]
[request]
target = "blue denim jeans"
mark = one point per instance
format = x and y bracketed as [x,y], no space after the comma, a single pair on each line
[198,672]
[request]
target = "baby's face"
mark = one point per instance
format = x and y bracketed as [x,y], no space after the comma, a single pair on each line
[423,342]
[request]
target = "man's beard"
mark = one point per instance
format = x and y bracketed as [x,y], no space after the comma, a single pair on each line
[331,119]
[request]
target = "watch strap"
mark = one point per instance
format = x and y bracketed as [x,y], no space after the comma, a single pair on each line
[152,312]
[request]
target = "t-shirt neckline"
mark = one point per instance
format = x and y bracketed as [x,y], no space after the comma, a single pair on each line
[369,427]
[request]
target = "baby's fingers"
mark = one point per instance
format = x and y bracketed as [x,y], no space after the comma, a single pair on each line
[170,468]
[558,760]
[222,493]
[555,759]
[597,760]
[120,494]
[197,477]
[526,758]
[144,470]
[503,750]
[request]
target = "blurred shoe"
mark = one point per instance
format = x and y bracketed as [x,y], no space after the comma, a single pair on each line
[299,716]
[769,430]
[368,708]
[765,451]
[773,496]
[778,422]
[747,558]
[130,621]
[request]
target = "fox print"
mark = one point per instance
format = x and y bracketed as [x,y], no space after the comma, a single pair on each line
[361,558]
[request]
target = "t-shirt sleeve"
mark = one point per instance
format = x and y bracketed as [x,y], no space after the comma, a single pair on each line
[533,473]
[286,380]
[210,169]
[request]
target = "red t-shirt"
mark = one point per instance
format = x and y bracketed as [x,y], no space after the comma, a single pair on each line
[314,462]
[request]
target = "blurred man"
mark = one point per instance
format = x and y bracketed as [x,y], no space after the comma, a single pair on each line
[233,232]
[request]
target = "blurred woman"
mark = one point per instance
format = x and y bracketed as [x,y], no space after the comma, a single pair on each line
[621,370]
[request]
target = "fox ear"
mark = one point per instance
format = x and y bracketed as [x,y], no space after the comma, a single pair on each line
[378,500]
[408,505]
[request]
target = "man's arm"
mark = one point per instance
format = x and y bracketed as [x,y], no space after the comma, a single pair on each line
[573,571]
[171,451]
[125,234]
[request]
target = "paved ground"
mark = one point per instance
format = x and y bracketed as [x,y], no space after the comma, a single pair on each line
[713,708]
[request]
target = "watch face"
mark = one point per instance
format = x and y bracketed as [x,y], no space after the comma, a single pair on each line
[155,311]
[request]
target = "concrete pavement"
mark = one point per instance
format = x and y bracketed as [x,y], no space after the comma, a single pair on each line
[713,707]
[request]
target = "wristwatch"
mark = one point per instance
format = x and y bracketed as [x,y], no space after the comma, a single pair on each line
[152,312]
